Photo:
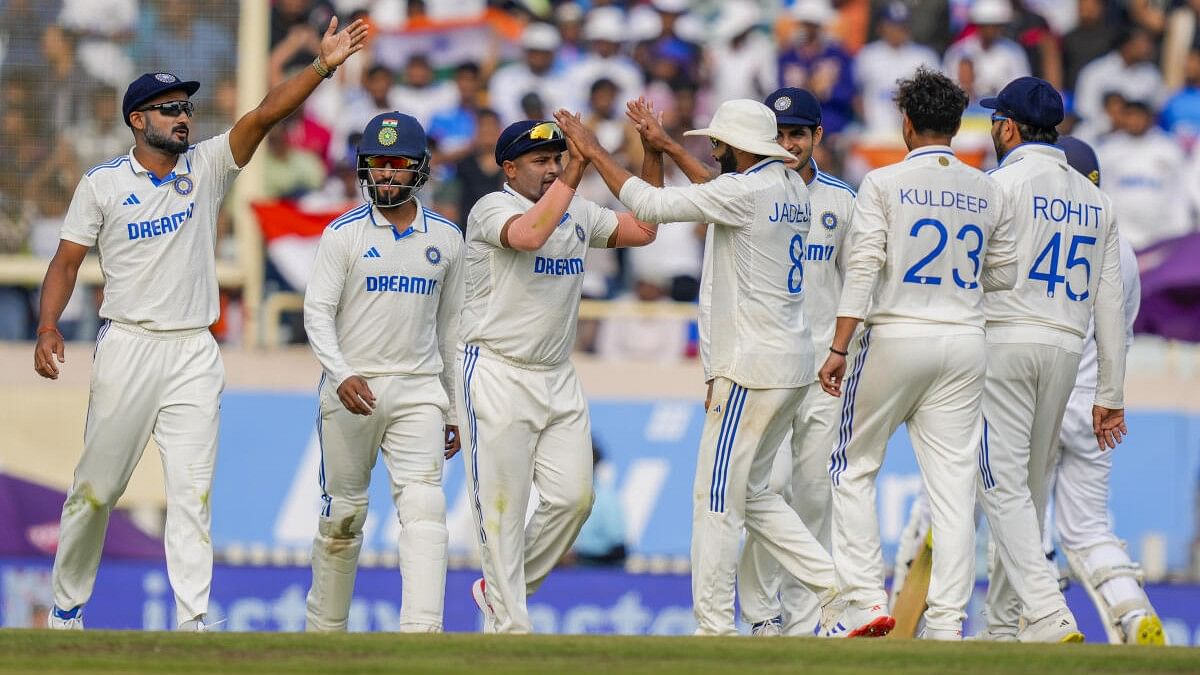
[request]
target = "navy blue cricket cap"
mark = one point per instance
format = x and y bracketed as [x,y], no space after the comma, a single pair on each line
[1029,100]
[150,85]
[1081,157]
[792,105]
[521,137]
[393,134]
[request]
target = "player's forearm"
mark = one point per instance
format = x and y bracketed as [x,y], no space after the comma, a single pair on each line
[57,288]
[530,230]
[659,205]
[282,100]
[611,171]
[652,168]
[843,332]
[632,232]
[1109,318]
[321,329]
[694,169]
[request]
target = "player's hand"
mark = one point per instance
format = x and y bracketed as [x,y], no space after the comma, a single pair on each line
[453,443]
[708,397]
[337,47]
[1109,426]
[573,172]
[832,373]
[648,125]
[49,347]
[356,395]
[581,137]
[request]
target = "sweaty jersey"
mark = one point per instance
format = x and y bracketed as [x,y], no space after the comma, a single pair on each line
[930,235]
[825,256]
[523,305]
[385,301]
[1069,258]
[752,324]
[155,236]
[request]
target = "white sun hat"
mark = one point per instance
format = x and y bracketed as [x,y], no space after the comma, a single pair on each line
[990,12]
[606,24]
[540,36]
[746,125]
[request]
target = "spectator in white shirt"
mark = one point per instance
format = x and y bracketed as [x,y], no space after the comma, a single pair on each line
[743,60]
[1130,66]
[995,59]
[533,75]
[1143,174]
[881,63]
[102,30]
[374,98]
[605,30]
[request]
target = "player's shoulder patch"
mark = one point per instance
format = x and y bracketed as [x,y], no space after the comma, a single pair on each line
[350,216]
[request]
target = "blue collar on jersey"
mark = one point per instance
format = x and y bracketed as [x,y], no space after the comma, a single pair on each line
[930,150]
[136,167]
[816,172]
[1030,145]
[397,234]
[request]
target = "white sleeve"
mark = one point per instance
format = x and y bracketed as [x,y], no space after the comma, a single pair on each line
[867,244]
[216,154]
[448,315]
[1109,314]
[602,222]
[1000,261]
[489,215]
[321,303]
[1131,279]
[84,216]
[721,201]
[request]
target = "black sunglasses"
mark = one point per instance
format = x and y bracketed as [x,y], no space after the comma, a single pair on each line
[171,108]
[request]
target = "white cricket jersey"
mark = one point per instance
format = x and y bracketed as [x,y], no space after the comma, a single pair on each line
[877,68]
[929,235]
[1132,284]
[752,324]
[1145,177]
[384,300]
[156,237]
[1068,259]
[523,305]
[824,258]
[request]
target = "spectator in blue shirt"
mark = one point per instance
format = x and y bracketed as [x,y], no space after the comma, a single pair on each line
[819,64]
[1181,115]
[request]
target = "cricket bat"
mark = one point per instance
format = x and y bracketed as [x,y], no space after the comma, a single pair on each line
[910,603]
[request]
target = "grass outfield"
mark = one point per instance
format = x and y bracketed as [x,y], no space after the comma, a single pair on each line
[28,651]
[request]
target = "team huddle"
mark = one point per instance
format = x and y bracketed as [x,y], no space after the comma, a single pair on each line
[975,309]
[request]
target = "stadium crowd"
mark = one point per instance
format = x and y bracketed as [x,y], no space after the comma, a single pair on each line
[1129,70]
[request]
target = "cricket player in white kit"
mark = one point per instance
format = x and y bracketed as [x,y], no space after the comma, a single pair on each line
[381,312]
[522,409]
[772,602]
[930,236]
[758,354]
[1068,261]
[1080,487]
[157,370]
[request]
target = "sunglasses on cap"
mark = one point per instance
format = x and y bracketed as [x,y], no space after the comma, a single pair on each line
[394,162]
[171,108]
[546,131]
[997,117]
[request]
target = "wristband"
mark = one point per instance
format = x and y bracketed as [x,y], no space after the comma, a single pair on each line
[51,329]
[324,71]
[839,352]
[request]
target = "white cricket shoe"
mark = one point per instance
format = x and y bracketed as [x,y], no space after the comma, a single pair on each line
[196,624]
[944,634]
[770,628]
[479,593]
[855,621]
[71,619]
[1057,627]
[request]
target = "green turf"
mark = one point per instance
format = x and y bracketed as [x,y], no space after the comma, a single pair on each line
[27,651]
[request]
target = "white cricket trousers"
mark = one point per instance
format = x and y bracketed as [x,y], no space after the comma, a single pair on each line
[1025,394]
[743,429]
[801,474]
[523,428]
[408,430]
[165,383]
[929,378]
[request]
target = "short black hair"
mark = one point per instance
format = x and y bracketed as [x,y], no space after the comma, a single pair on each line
[932,102]
[603,83]
[1032,134]
[379,68]
[487,112]
[467,67]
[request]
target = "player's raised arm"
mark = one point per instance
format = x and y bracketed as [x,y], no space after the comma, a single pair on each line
[650,128]
[288,95]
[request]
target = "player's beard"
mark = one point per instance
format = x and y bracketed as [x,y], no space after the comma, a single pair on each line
[728,161]
[166,141]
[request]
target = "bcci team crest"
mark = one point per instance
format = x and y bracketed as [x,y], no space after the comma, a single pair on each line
[387,133]
[184,185]
[433,255]
[579,232]
[165,78]
[783,103]
[829,220]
